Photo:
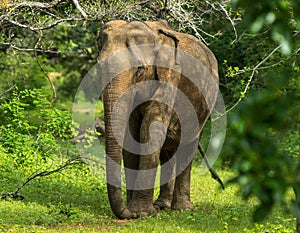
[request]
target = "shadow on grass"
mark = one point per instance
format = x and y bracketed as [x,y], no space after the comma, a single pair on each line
[74,198]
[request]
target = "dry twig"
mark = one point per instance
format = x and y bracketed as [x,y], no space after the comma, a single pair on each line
[16,195]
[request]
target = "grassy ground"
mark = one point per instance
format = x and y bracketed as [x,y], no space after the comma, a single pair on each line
[76,201]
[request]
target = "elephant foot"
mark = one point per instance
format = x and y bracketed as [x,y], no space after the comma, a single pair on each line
[140,211]
[161,204]
[182,204]
[127,214]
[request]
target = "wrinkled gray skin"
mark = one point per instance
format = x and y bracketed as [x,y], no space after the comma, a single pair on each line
[117,35]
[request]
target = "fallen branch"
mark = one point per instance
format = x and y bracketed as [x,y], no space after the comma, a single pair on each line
[16,195]
[98,126]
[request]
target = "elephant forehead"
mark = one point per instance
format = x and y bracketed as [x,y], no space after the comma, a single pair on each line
[128,34]
[114,24]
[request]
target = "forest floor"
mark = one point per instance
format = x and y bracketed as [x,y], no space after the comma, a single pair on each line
[75,200]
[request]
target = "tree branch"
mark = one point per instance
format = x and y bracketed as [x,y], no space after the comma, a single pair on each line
[41,5]
[54,95]
[76,3]
[187,18]
[36,29]
[249,82]
[231,21]
[32,50]
[8,90]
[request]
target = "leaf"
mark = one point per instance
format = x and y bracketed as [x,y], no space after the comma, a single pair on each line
[281,34]
[270,18]
[258,24]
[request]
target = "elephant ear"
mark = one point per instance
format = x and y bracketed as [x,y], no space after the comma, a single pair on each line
[166,58]
[170,34]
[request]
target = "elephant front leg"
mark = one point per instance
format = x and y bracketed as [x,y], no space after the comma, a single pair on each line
[150,139]
[167,181]
[131,160]
[141,202]
[131,163]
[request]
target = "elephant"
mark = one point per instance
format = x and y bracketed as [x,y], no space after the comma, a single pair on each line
[159,89]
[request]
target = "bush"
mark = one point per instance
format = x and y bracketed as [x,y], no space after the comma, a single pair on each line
[32,130]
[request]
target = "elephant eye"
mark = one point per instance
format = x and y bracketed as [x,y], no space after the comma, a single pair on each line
[139,72]
[140,69]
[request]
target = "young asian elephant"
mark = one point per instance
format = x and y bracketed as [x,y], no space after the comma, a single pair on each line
[160,88]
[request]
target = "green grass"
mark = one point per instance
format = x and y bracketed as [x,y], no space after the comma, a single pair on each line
[76,201]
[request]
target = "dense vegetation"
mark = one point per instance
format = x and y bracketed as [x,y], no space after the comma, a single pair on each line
[46,49]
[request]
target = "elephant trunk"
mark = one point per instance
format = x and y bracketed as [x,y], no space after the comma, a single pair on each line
[113,126]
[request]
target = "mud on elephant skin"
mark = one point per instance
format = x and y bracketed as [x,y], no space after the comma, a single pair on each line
[146,68]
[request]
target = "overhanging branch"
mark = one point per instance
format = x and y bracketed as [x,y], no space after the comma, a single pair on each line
[36,29]
[76,3]
[54,95]
[31,4]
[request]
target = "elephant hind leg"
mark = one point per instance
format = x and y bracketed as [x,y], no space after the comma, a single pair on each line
[181,197]
[167,181]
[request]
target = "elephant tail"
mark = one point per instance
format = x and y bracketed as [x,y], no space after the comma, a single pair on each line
[211,170]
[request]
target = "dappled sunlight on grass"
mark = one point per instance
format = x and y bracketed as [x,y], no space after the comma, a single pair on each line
[75,201]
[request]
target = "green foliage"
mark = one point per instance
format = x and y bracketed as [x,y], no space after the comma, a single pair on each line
[27,75]
[30,128]
[283,16]
[79,50]
[263,168]
[266,167]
